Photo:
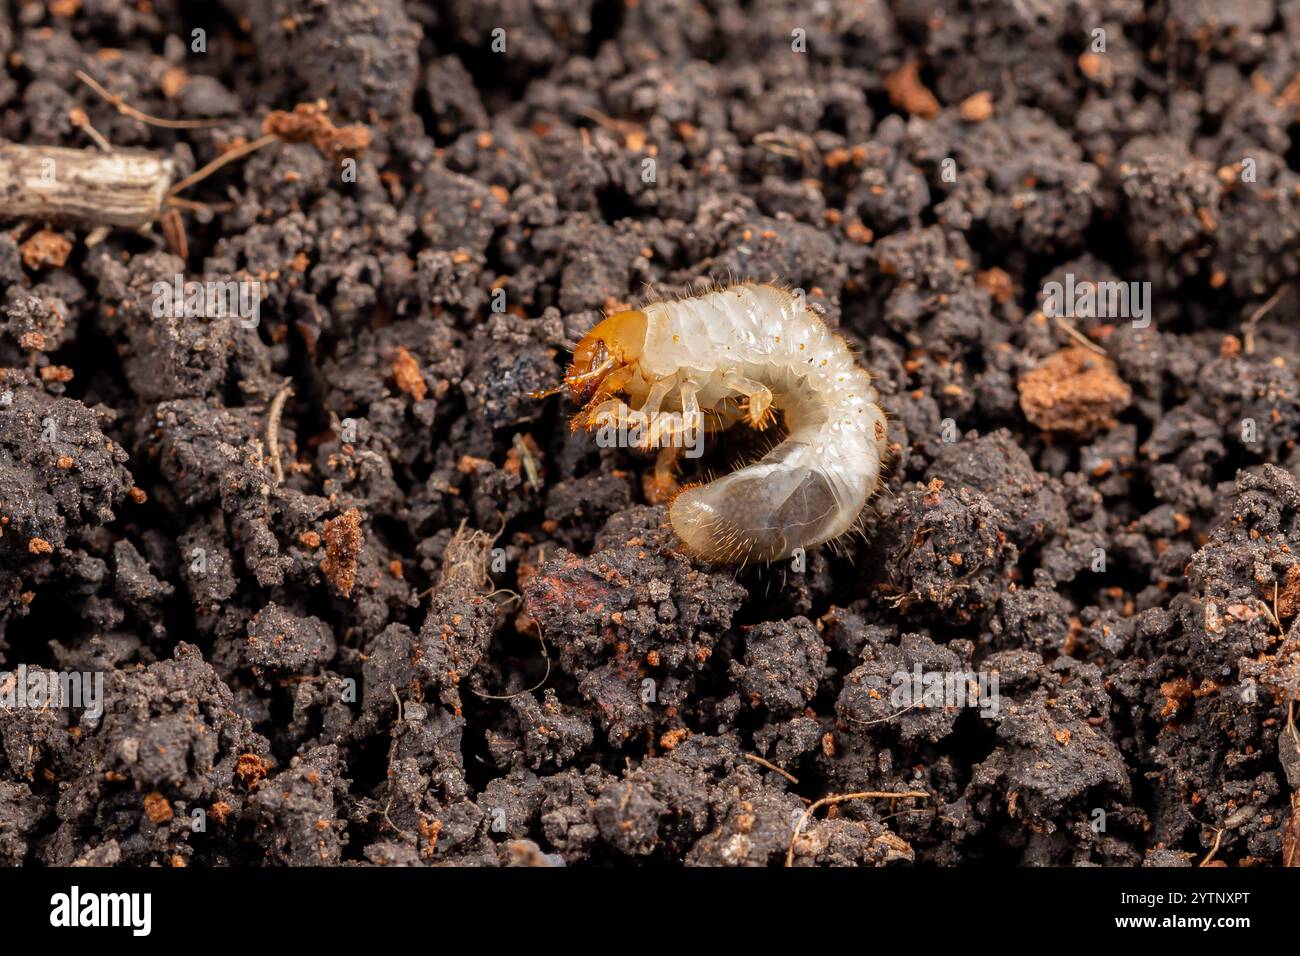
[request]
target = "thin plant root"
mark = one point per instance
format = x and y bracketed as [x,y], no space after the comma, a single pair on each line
[1248,327]
[239,152]
[546,675]
[126,109]
[772,767]
[1218,840]
[273,429]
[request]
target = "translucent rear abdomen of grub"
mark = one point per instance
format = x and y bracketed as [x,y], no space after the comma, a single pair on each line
[767,510]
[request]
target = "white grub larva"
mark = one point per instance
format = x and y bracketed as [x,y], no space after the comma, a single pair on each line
[740,354]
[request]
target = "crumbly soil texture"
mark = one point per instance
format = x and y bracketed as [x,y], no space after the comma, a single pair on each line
[356,597]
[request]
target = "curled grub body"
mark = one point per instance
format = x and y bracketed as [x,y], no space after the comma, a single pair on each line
[741,354]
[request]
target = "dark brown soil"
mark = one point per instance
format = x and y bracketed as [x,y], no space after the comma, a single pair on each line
[455,632]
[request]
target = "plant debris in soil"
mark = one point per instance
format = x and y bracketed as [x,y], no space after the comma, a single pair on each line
[355,597]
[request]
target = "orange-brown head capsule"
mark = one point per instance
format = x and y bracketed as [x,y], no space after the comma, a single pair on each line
[614,345]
